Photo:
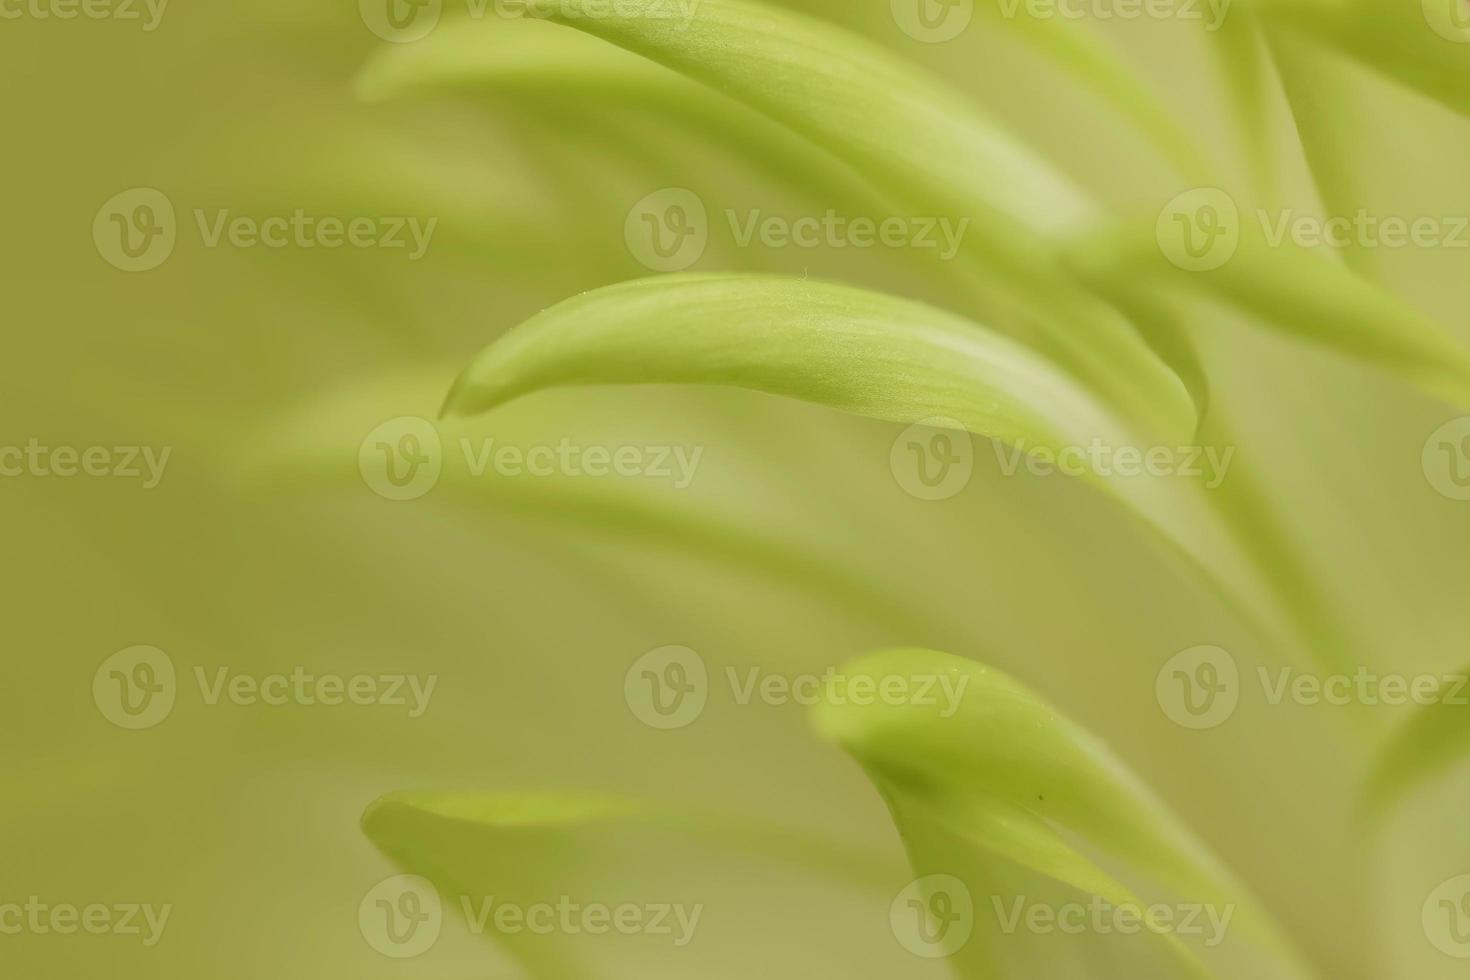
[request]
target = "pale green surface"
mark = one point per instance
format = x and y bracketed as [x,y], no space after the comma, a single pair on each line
[796,549]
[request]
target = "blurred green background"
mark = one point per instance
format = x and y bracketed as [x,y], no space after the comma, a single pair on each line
[263,549]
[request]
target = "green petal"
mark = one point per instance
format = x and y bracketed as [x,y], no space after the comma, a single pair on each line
[732,878]
[928,149]
[990,784]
